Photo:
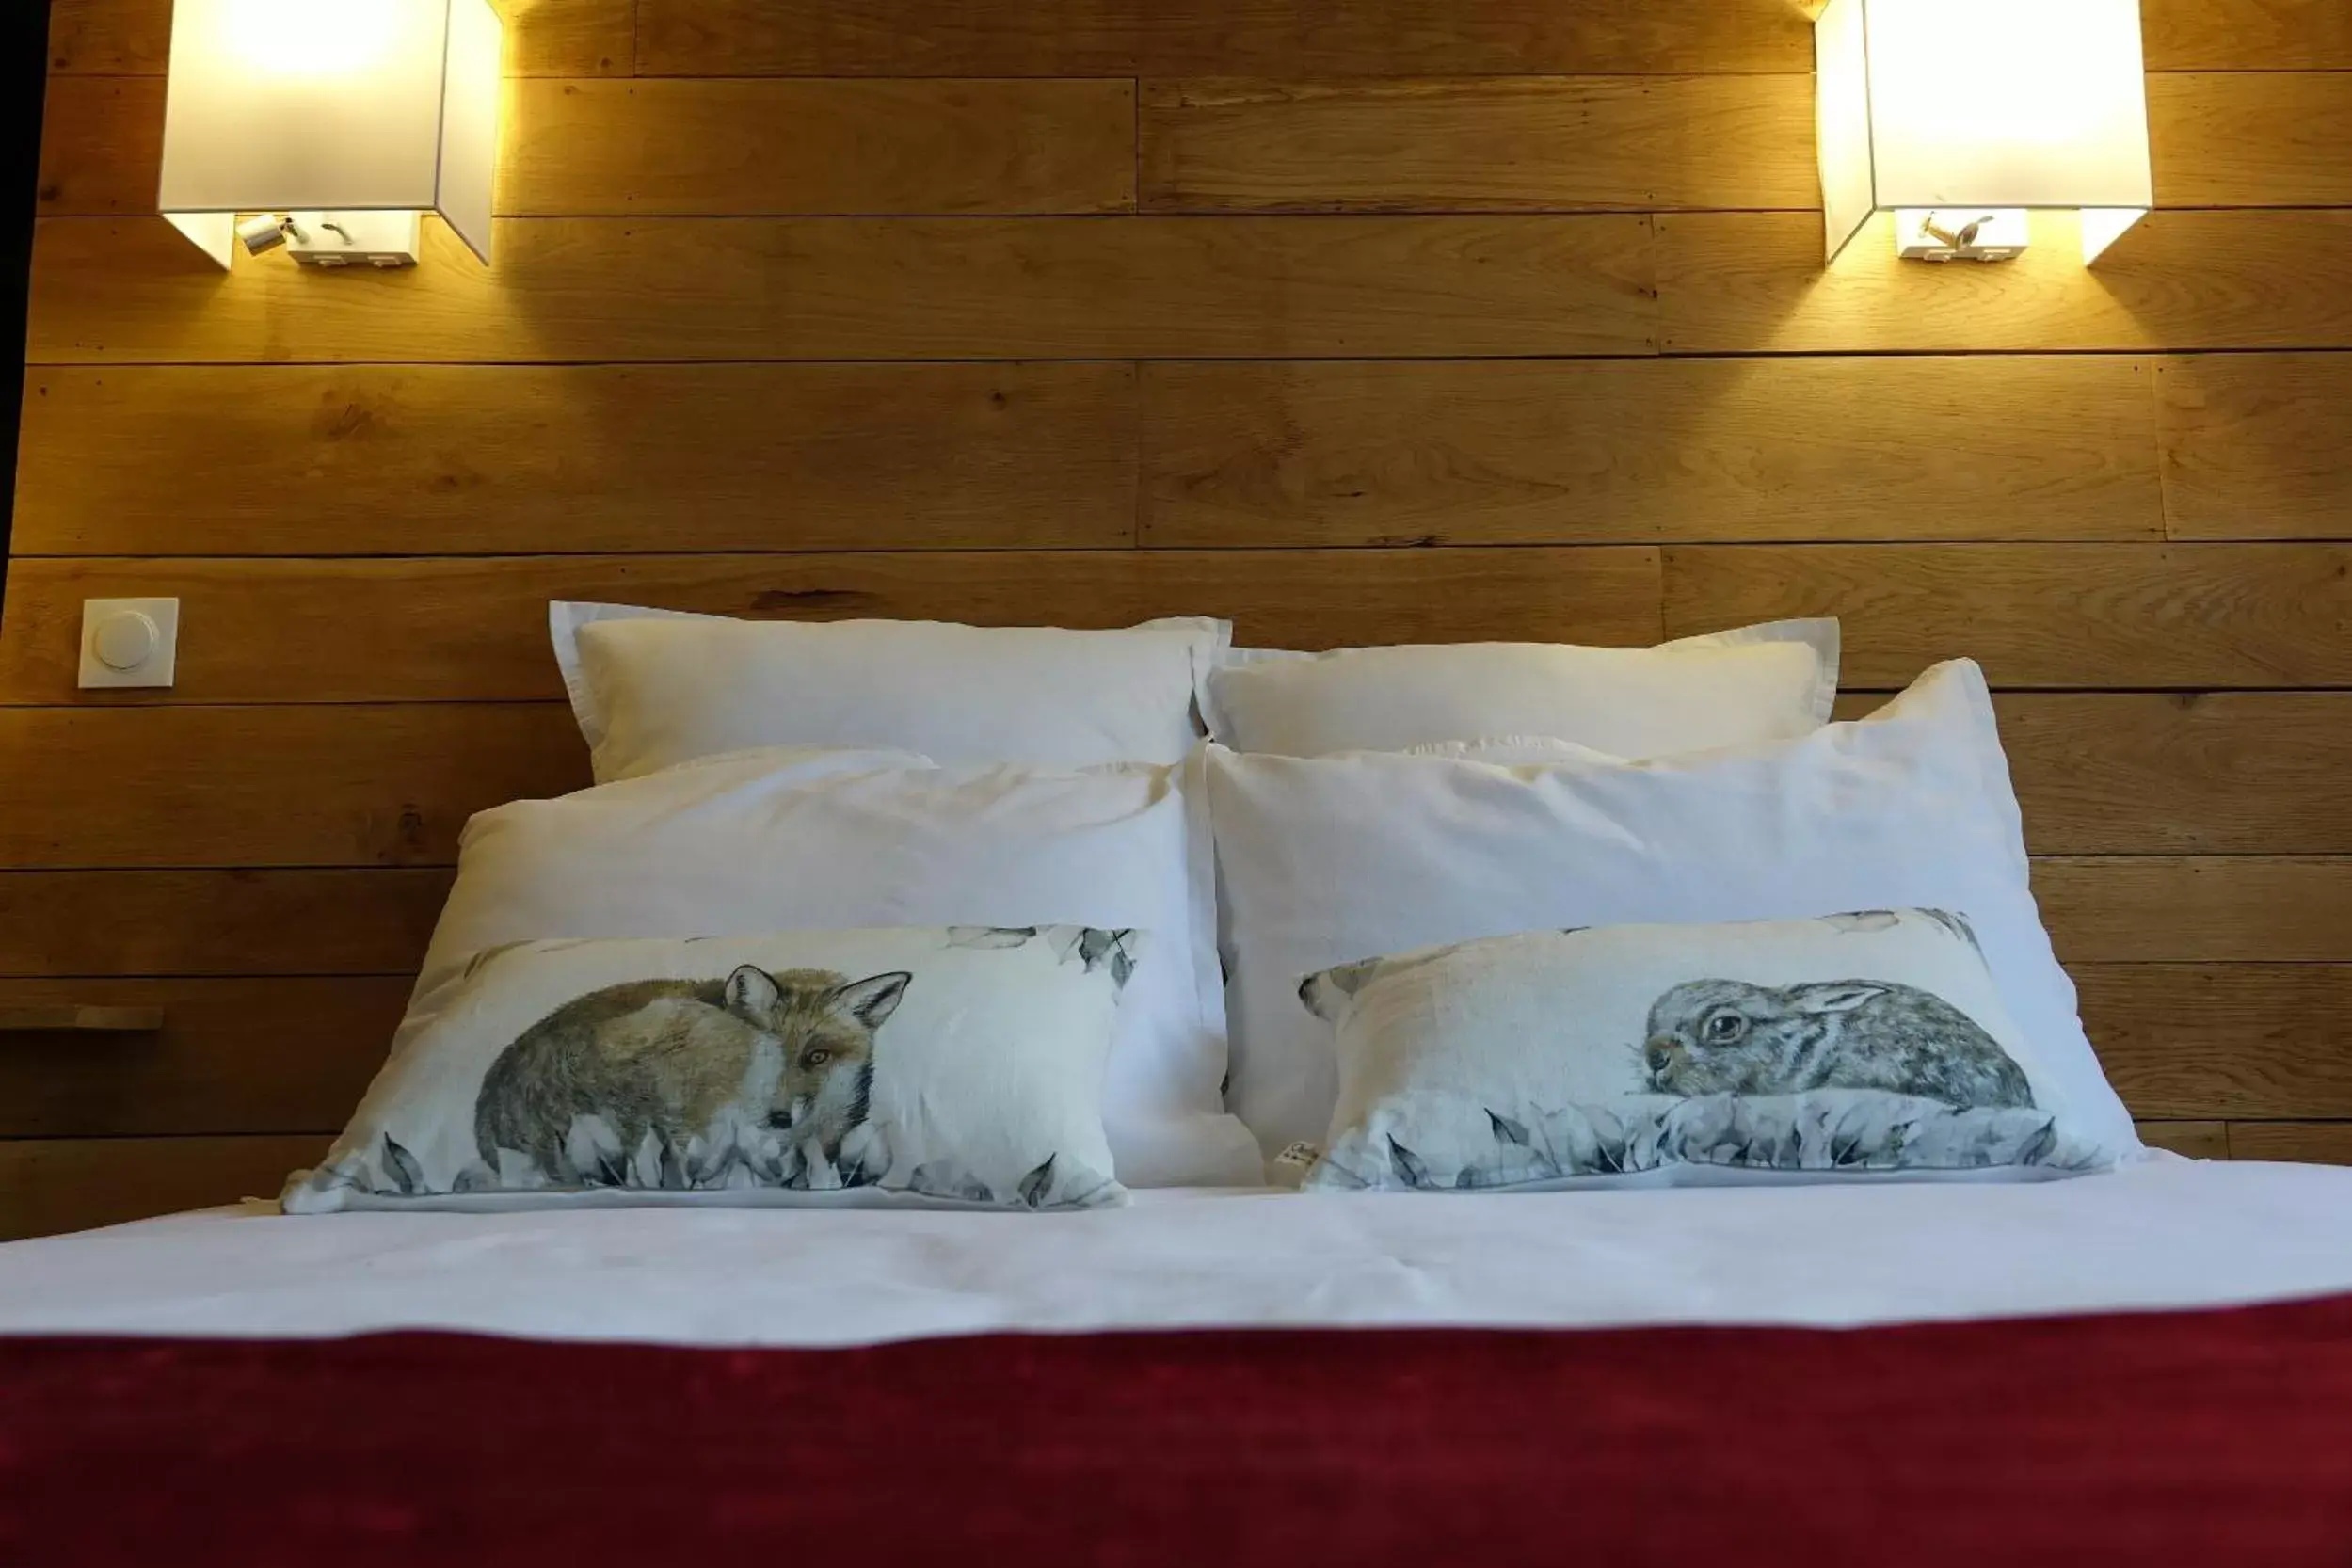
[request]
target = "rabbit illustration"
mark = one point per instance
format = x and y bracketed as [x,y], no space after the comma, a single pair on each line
[1727,1036]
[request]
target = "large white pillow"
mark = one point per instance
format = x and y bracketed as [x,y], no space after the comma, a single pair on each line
[956,1065]
[1727,688]
[1330,860]
[651,688]
[802,839]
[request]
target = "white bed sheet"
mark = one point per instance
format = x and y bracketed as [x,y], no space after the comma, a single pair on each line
[2163,1234]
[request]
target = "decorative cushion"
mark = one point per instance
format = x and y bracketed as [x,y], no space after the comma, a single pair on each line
[1865,1044]
[958,1066]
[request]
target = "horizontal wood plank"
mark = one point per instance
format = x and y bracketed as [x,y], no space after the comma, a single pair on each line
[1520,451]
[2251,139]
[237,1055]
[323,785]
[1754,282]
[2256,446]
[544,37]
[2246,35]
[586,145]
[277,786]
[704,148]
[1478,144]
[2225,772]
[109,291]
[475,628]
[131,923]
[2234,909]
[1277,37]
[2044,614]
[473,459]
[2196,1139]
[2225,1040]
[2300,1143]
[49,1186]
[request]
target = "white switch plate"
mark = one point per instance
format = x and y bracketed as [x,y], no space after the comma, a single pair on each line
[116,625]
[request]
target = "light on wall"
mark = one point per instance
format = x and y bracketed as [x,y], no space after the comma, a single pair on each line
[1959,115]
[338,121]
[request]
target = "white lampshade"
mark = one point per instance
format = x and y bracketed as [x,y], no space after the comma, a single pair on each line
[331,106]
[1982,104]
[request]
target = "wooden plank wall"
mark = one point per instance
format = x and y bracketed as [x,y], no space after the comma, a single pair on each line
[1404,319]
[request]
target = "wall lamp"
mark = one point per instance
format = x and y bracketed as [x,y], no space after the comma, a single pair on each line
[338,121]
[1961,114]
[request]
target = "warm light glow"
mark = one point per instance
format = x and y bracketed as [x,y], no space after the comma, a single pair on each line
[1982,104]
[291,36]
[331,106]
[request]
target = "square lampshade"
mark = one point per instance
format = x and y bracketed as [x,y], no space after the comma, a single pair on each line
[330,106]
[1982,104]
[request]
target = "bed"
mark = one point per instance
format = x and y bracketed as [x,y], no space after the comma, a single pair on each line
[2153,1363]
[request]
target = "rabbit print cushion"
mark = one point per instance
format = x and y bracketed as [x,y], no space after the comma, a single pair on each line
[959,1065]
[1865,1044]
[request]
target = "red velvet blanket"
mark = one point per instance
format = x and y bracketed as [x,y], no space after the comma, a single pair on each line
[2221,1437]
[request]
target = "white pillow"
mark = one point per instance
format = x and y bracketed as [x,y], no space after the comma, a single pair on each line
[1866,1046]
[1757,683]
[652,688]
[957,1065]
[797,840]
[1334,860]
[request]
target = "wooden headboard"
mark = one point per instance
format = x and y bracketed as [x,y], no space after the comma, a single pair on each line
[1391,320]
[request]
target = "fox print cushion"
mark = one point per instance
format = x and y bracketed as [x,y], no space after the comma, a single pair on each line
[1868,1044]
[959,1065]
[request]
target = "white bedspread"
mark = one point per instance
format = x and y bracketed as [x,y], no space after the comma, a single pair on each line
[2170,1232]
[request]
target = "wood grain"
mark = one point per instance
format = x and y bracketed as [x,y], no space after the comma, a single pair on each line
[269,786]
[1517,452]
[2256,446]
[323,785]
[705,148]
[2196,1139]
[1754,282]
[49,1186]
[2251,139]
[1275,38]
[133,923]
[102,142]
[475,628]
[732,289]
[236,1055]
[474,458]
[2246,35]
[2227,1041]
[1478,144]
[2236,909]
[2044,614]
[2301,1143]
[544,37]
[2227,773]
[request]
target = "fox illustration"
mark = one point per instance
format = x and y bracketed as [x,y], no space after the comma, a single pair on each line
[756,1059]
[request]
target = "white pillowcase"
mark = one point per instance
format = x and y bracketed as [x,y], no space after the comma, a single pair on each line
[1727,688]
[652,688]
[1866,1046]
[1331,861]
[958,1066]
[792,839]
